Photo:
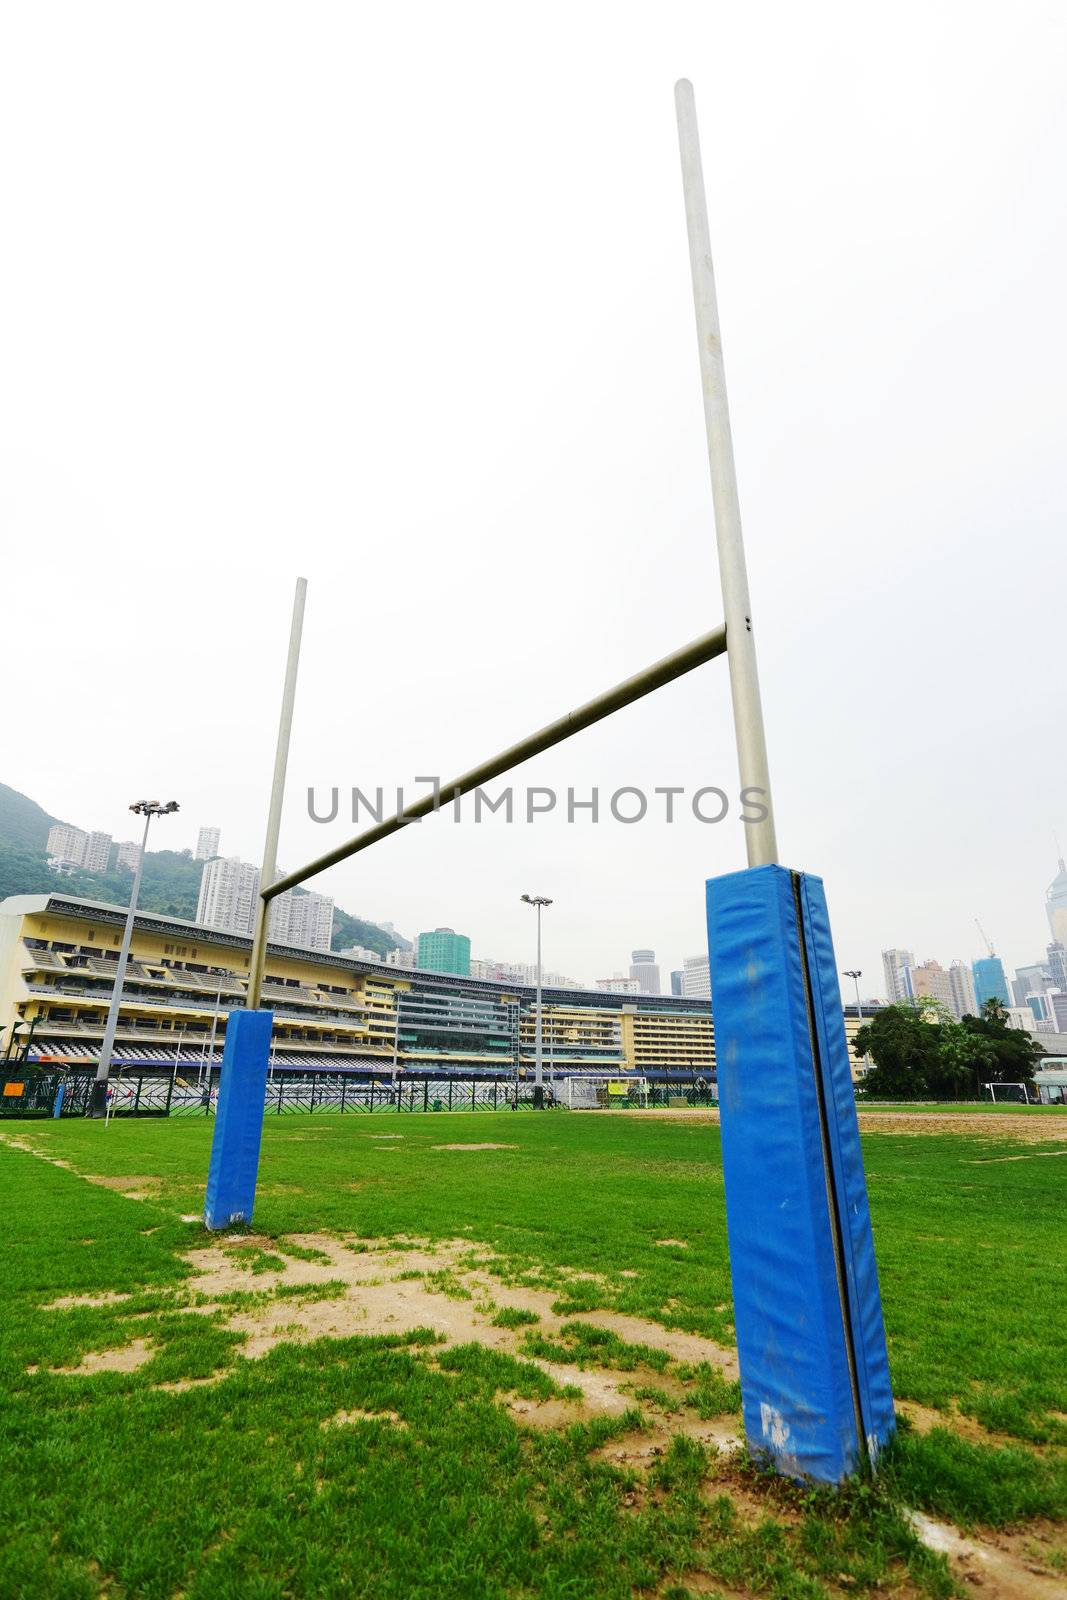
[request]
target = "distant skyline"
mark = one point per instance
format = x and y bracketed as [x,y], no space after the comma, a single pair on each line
[443,363]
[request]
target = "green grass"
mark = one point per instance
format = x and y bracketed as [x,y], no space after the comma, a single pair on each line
[235,1488]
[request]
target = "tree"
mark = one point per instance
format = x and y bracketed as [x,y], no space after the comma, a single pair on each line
[904,1048]
[1009,1055]
[920,1053]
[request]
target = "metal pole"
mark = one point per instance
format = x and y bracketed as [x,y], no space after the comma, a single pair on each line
[211,1043]
[103,1068]
[741,648]
[177,1061]
[269,869]
[539,1091]
[676,665]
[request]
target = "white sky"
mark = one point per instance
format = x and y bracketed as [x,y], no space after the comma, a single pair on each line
[399,298]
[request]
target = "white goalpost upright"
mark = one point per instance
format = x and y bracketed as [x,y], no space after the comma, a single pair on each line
[811,1345]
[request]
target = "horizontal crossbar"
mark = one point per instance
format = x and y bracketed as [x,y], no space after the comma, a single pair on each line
[706,648]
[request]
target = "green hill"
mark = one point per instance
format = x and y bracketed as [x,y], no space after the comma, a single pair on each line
[170,885]
[24,824]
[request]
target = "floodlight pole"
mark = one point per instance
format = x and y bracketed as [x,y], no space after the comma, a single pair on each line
[740,643]
[269,869]
[539,901]
[98,1103]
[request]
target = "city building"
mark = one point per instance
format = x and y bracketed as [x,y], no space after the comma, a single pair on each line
[1056,962]
[1057,999]
[676,981]
[696,978]
[66,846]
[332,1013]
[964,1000]
[301,918]
[445,950]
[97,852]
[896,964]
[1056,905]
[404,959]
[618,985]
[930,981]
[990,982]
[644,969]
[207,843]
[1034,979]
[129,853]
[359,952]
[228,891]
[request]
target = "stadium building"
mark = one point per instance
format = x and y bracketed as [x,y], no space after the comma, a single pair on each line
[332,1013]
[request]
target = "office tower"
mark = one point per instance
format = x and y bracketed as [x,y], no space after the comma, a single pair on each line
[896,964]
[207,843]
[228,891]
[696,978]
[676,981]
[643,967]
[930,981]
[1056,905]
[990,982]
[1056,961]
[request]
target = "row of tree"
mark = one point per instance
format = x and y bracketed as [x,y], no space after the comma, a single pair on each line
[921,1053]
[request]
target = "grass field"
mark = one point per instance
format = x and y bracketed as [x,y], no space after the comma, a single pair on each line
[505,1369]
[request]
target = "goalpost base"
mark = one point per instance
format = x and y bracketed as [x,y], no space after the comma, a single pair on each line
[811,1343]
[231,1183]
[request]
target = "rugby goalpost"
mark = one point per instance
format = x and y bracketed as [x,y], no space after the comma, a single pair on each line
[814,1375]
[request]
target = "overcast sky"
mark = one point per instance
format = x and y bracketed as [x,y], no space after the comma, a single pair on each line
[398,298]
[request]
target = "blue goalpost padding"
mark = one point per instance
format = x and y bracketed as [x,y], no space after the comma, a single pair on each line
[231,1182]
[810,1337]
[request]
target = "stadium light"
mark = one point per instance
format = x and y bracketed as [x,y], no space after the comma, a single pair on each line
[540,901]
[98,1105]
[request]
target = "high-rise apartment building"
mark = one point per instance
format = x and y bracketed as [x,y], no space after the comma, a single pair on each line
[696,978]
[228,891]
[97,852]
[896,964]
[990,982]
[964,1000]
[618,985]
[643,967]
[129,853]
[207,843]
[404,959]
[305,920]
[445,950]
[67,844]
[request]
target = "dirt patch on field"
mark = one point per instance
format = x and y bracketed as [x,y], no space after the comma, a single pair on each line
[396,1286]
[70,1301]
[346,1419]
[1020,1128]
[474,1147]
[123,1358]
[143,1187]
[1002,1566]
[673,1244]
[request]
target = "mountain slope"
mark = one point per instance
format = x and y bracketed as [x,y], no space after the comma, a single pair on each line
[170,885]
